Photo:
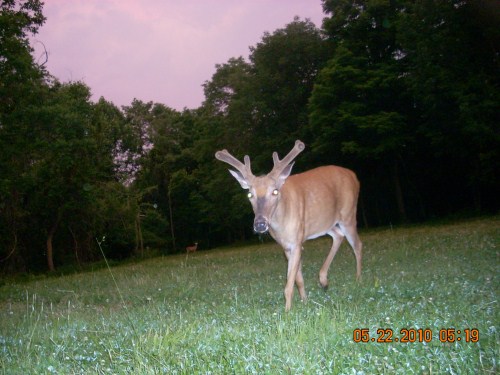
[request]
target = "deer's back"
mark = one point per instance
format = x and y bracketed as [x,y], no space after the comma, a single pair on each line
[324,196]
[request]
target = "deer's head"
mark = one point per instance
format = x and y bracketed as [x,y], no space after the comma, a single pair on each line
[263,191]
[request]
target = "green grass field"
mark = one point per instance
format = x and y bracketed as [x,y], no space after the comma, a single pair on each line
[222,311]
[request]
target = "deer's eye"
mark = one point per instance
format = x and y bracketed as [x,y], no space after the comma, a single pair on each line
[275,192]
[249,195]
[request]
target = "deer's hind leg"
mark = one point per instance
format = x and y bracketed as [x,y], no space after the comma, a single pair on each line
[337,237]
[351,233]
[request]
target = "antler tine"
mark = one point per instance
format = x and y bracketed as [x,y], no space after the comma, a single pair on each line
[280,164]
[244,169]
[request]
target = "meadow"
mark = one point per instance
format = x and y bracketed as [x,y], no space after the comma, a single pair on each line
[222,311]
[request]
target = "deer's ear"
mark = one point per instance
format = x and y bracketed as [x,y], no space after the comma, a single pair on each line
[243,182]
[284,174]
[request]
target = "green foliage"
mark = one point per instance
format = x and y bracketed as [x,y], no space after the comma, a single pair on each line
[350,107]
[405,93]
[285,64]
[20,87]
[19,74]
[57,160]
[223,311]
[396,102]
[453,75]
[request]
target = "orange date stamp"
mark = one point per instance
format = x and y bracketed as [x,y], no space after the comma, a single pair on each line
[409,335]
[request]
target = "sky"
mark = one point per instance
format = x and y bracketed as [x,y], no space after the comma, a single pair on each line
[156,50]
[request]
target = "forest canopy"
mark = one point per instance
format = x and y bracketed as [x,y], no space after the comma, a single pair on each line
[405,93]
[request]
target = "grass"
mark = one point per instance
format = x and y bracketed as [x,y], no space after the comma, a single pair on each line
[222,311]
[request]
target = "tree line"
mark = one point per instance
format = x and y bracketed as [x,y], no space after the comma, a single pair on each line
[405,93]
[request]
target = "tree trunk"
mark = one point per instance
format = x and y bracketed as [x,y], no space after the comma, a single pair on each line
[139,242]
[399,192]
[171,219]
[75,245]
[50,251]
[50,236]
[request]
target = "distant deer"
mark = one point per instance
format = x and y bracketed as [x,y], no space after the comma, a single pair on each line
[300,207]
[192,249]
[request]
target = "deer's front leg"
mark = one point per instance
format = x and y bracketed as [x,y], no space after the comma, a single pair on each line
[294,274]
[299,281]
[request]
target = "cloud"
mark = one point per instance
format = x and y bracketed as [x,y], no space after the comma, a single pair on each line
[159,50]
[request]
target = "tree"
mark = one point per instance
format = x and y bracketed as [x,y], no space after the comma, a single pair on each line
[359,108]
[452,53]
[409,95]
[255,108]
[228,105]
[19,74]
[63,168]
[225,120]
[284,67]
[21,84]
[166,166]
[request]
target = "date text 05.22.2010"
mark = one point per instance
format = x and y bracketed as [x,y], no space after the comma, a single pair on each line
[386,335]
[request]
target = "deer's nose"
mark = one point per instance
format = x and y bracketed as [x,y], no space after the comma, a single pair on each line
[260,225]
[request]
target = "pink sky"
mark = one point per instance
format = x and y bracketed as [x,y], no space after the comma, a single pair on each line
[157,50]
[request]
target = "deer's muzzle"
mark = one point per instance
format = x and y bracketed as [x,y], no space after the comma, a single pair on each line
[260,224]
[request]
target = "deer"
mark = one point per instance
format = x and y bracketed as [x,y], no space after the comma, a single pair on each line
[295,208]
[192,249]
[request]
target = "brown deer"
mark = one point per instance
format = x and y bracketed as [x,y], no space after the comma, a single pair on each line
[300,207]
[192,249]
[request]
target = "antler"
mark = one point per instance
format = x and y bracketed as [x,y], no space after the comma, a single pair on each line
[279,165]
[244,169]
